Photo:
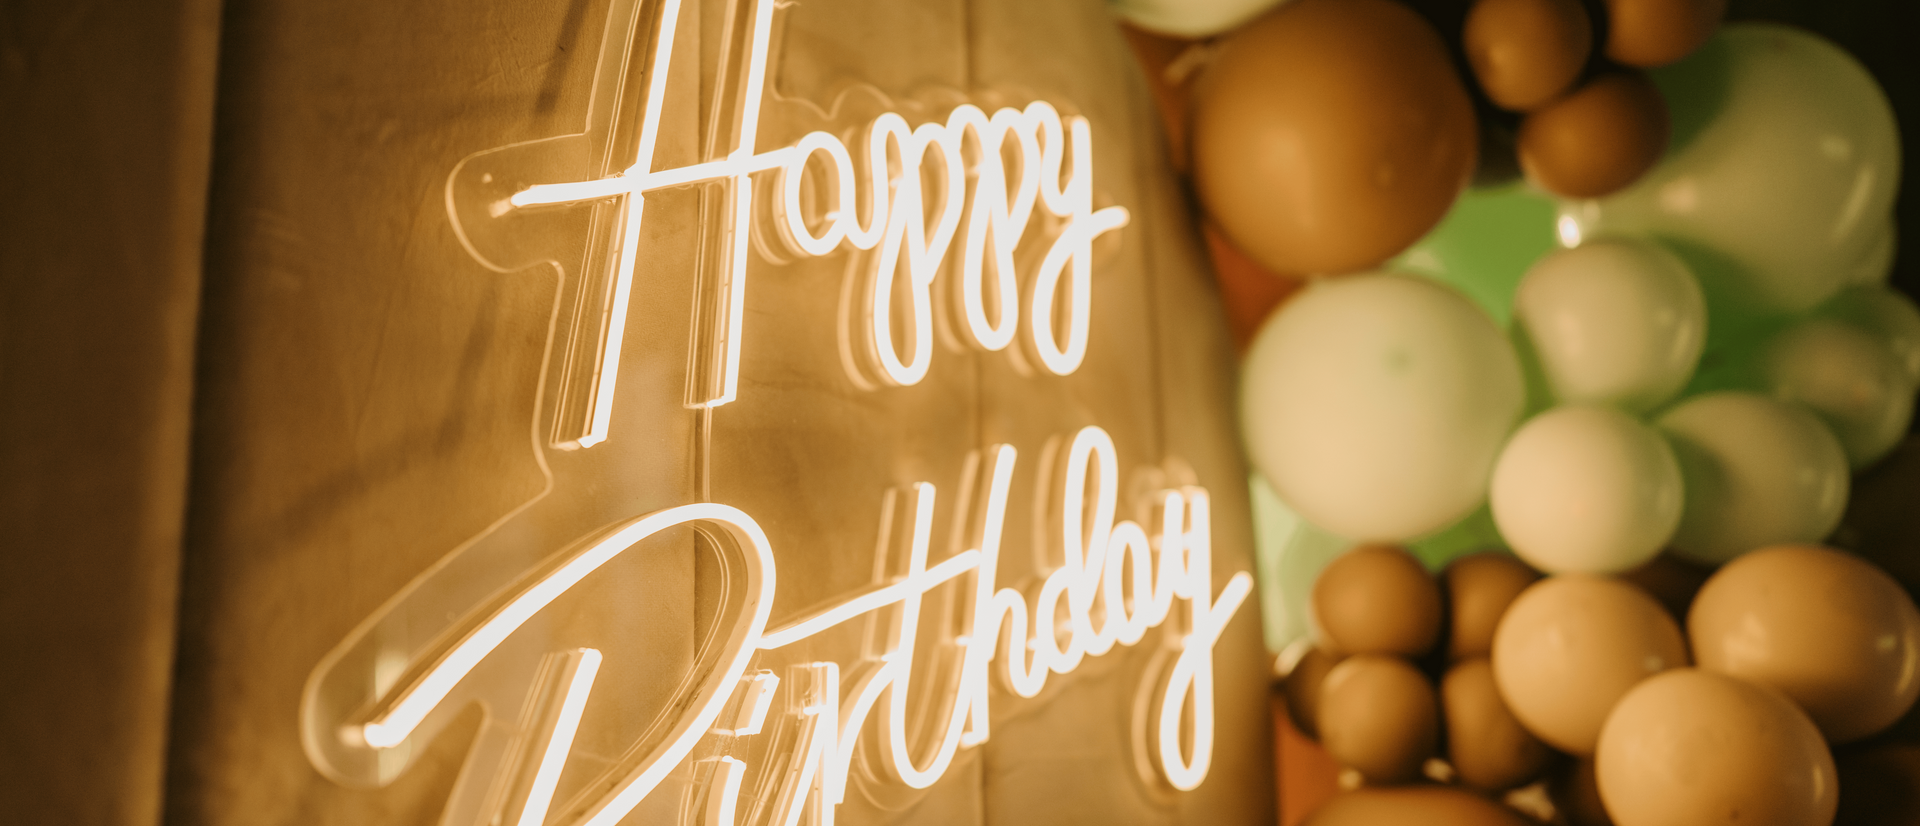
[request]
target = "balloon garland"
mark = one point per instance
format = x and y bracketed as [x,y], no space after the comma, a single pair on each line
[1584,305]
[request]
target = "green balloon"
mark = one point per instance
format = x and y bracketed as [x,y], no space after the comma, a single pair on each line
[1485,244]
[1782,168]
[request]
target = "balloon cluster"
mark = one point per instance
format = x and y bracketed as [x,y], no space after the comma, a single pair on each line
[1382,406]
[1579,692]
[1667,350]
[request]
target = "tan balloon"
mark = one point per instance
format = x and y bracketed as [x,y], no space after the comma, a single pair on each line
[1824,627]
[1649,33]
[1377,599]
[1329,135]
[1597,140]
[1696,748]
[1525,53]
[1487,747]
[1425,805]
[1301,689]
[1378,716]
[1479,589]
[1571,646]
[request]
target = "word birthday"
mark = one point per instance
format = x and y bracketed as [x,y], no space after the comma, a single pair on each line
[1116,583]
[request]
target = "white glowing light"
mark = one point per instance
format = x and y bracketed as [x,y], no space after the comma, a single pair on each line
[565,726]
[723,801]
[896,222]
[756,698]
[421,697]
[1097,554]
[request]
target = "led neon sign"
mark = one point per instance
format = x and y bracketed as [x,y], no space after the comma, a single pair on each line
[372,698]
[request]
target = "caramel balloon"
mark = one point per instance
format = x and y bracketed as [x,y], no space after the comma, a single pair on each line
[1824,627]
[1479,589]
[1571,646]
[1425,805]
[1377,599]
[1597,140]
[1378,716]
[1695,748]
[1486,745]
[1329,135]
[1649,33]
[1525,53]
[1302,687]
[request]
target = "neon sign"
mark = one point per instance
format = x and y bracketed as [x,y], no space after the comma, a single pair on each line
[994,178]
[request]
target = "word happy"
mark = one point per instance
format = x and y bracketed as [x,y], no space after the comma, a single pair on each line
[954,200]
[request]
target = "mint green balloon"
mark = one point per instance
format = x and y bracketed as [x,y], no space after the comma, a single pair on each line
[1485,244]
[1781,174]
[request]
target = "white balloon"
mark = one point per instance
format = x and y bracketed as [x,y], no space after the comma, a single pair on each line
[1791,179]
[1757,472]
[1888,315]
[1190,18]
[1583,489]
[1848,378]
[1614,321]
[1375,404]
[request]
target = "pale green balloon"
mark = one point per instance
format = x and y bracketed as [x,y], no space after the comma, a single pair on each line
[1849,378]
[1783,166]
[1376,403]
[1887,314]
[1757,472]
[1616,321]
[1485,244]
[1876,264]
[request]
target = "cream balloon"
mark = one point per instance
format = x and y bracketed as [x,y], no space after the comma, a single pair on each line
[1190,18]
[1792,177]
[1613,321]
[1851,380]
[1757,471]
[1375,404]
[1583,489]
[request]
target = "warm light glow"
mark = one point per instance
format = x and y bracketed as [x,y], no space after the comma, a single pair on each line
[566,724]
[910,255]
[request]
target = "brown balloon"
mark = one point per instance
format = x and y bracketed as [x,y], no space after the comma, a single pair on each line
[1377,599]
[1485,743]
[1650,33]
[1571,646]
[1378,716]
[1598,139]
[1302,690]
[1479,589]
[1694,748]
[1425,805]
[1824,627]
[1329,135]
[1525,53]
